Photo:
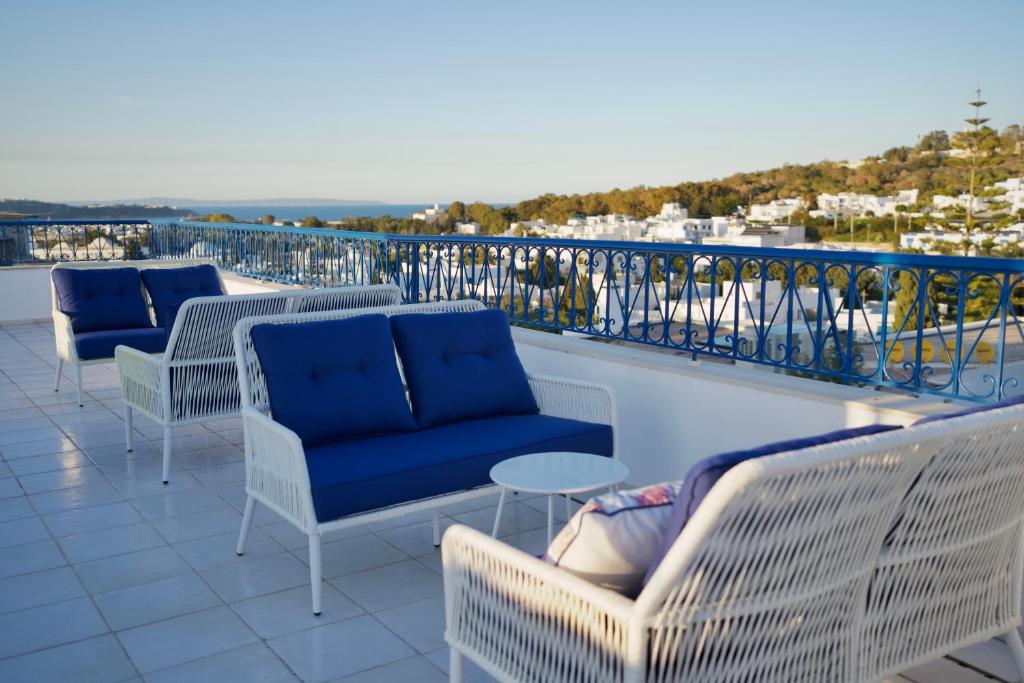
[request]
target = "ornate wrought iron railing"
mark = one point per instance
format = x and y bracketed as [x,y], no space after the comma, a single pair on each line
[949,326]
[49,241]
[942,325]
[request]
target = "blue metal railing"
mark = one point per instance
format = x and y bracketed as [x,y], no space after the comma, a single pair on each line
[50,241]
[942,325]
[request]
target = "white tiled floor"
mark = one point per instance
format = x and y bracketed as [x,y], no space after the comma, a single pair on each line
[107,575]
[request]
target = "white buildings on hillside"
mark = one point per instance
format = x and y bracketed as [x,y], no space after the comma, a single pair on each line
[431,215]
[469,228]
[1013,193]
[672,224]
[853,204]
[775,211]
[942,201]
[929,239]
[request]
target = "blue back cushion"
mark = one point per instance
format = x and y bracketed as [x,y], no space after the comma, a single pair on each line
[461,366]
[333,380]
[703,476]
[101,298]
[169,288]
[1005,403]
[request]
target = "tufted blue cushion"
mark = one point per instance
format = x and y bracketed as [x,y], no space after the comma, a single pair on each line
[334,379]
[100,344]
[703,476]
[1005,403]
[355,476]
[170,287]
[461,366]
[101,298]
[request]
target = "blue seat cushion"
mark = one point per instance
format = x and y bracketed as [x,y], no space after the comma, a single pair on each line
[101,344]
[1005,403]
[331,380]
[461,366]
[355,476]
[703,476]
[169,288]
[101,298]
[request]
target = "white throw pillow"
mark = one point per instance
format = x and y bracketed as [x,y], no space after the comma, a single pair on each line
[613,538]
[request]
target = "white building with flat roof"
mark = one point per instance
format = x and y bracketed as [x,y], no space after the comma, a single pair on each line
[431,215]
[853,204]
[942,201]
[775,211]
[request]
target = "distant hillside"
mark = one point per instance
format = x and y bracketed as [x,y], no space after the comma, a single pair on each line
[925,167]
[68,212]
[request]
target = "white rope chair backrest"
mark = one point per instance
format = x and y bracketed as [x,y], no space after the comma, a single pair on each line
[768,580]
[950,567]
[250,374]
[200,351]
[204,325]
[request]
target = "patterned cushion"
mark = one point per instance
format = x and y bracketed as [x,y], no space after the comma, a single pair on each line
[169,288]
[461,366]
[333,380]
[101,298]
[612,539]
[703,476]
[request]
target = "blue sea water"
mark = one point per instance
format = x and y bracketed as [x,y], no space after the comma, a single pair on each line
[323,212]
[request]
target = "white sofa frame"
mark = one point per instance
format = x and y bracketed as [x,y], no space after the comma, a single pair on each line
[200,355]
[845,562]
[275,462]
[64,335]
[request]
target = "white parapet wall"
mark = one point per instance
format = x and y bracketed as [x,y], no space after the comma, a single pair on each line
[673,411]
[25,291]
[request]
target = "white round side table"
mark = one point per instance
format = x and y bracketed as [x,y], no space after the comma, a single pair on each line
[555,474]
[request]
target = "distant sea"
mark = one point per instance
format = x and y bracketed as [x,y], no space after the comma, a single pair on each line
[325,212]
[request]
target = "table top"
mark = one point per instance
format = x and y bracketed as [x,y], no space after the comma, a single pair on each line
[559,472]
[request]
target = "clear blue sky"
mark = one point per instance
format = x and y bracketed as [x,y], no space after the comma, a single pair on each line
[434,101]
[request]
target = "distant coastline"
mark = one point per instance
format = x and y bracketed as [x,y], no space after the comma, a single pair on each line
[295,213]
[186,203]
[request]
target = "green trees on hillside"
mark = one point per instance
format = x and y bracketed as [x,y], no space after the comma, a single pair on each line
[217,218]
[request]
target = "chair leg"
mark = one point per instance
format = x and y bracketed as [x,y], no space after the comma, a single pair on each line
[167,454]
[56,379]
[497,515]
[243,533]
[315,571]
[78,384]
[128,441]
[437,528]
[1016,648]
[455,668]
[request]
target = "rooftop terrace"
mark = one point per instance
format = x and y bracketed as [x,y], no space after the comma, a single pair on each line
[108,575]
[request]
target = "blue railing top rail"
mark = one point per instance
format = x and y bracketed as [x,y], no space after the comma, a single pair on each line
[974,263]
[58,223]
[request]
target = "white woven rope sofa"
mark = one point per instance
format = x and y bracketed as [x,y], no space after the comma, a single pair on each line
[278,472]
[63,330]
[849,561]
[195,379]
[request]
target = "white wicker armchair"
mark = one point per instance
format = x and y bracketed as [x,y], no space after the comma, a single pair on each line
[275,462]
[790,570]
[196,379]
[64,335]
